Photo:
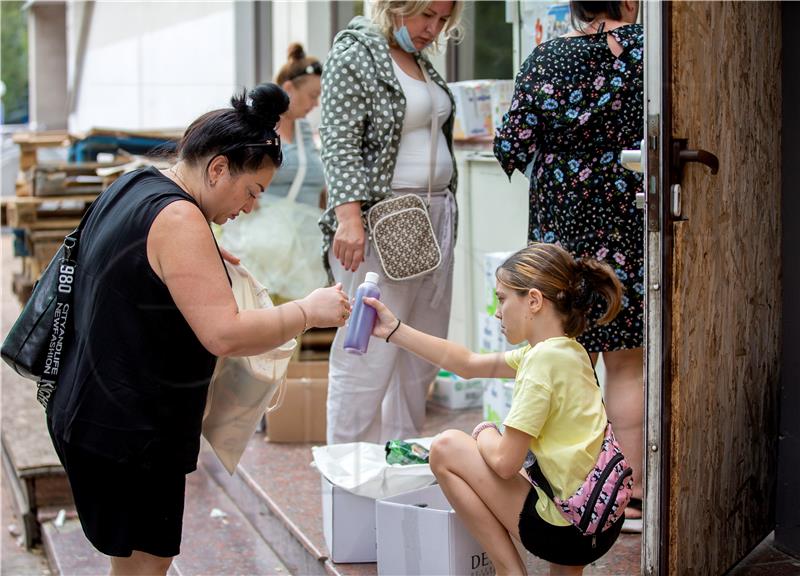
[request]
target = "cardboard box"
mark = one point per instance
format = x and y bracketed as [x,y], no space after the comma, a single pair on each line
[502,91]
[302,415]
[480,106]
[473,109]
[455,393]
[419,533]
[497,393]
[348,523]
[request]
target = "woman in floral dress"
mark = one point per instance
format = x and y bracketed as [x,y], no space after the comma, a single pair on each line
[578,102]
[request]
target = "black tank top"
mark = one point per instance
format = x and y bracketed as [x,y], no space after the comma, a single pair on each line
[134,383]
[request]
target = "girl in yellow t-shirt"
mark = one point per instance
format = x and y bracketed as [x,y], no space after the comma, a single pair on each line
[556,412]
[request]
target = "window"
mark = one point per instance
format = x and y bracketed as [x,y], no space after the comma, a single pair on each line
[486,51]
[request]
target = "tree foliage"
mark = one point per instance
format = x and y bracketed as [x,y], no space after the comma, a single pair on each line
[14,61]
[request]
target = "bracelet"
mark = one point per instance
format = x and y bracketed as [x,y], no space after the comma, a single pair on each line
[393,331]
[305,317]
[483,426]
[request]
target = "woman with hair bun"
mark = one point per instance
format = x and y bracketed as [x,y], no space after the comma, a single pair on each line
[556,412]
[152,310]
[279,241]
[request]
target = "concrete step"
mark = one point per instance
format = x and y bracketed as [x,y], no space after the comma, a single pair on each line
[279,492]
[226,544]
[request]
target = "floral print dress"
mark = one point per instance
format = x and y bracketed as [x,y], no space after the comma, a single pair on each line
[575,107]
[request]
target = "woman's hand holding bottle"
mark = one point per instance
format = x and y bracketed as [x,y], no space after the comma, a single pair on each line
[326,307]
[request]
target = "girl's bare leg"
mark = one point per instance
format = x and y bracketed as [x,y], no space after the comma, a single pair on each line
[488,505]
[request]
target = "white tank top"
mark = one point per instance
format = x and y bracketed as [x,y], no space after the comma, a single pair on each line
[413,158]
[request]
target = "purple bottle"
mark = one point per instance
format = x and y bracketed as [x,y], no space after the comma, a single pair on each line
[362,320]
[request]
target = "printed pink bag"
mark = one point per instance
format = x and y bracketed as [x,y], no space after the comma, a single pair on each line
[601,500]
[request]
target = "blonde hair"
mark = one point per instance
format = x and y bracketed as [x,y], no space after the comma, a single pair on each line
[385,11]
[573,285]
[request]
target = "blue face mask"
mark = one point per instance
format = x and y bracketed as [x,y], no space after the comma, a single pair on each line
[403,39]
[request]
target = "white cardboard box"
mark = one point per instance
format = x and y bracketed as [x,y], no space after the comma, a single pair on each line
[455,393]
[348,523]
[419,534]
[497,393]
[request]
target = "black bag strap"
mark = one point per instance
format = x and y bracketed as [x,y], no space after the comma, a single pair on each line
[64,291]
[534,471]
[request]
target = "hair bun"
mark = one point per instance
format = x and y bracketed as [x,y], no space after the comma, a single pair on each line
[295,52]
[267,103]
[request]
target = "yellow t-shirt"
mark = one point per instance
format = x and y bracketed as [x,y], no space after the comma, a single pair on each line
[557,401]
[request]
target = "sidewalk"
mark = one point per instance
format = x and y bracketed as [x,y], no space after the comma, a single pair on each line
[272,510]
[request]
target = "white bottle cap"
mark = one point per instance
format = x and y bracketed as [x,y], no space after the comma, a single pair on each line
[372,277]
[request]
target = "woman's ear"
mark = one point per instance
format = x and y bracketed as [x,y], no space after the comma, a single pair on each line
[535,300]
[217,169]
[288,87]
[630,11]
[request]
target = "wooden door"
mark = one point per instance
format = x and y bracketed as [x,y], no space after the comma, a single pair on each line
[721,261]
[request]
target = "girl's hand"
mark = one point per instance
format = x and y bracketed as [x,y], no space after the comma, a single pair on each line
[326,307]
[385,321]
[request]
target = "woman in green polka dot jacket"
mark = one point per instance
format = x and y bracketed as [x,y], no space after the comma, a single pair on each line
[380,96]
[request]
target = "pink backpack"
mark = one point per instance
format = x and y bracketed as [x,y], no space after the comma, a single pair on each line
[601,500]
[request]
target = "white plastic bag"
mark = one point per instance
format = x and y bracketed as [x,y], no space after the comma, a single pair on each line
[241,388]
[281,244]
[361,468]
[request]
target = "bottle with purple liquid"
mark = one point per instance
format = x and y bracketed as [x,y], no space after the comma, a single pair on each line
[362,321]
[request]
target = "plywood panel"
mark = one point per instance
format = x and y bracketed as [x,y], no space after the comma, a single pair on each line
[726,292]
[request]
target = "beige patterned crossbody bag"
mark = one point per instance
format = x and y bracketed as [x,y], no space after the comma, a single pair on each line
[400,227]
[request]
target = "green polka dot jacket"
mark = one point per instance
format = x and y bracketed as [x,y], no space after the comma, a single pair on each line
[363,107]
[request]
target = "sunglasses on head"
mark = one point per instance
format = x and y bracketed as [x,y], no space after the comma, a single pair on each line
[314,68]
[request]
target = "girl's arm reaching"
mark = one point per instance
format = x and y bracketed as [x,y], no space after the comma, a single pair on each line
[450,356]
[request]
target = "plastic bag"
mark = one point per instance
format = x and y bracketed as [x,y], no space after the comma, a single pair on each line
[361,468]
[242,387]
[281,244]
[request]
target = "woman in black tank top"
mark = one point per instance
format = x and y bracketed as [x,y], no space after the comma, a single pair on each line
[153,308]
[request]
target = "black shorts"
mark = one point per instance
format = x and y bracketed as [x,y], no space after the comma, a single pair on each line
[123,508]
[561,544]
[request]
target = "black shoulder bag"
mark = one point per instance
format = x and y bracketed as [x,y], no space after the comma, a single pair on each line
[35,345]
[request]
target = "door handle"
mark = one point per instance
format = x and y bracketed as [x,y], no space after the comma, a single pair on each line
[632,159]
[682,155]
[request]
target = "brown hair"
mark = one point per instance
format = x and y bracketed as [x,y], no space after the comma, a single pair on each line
[573,285]
[298,65]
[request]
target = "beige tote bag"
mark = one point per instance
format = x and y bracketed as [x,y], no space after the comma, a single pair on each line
[242,388]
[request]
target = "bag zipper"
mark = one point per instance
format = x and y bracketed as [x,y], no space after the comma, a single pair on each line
[586,519]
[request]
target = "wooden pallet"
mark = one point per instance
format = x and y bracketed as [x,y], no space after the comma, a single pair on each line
[46,213]
[30,142]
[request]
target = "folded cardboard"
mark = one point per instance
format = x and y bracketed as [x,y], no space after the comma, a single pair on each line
[419,533]
[301,416]
[456,393]
[348,524]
